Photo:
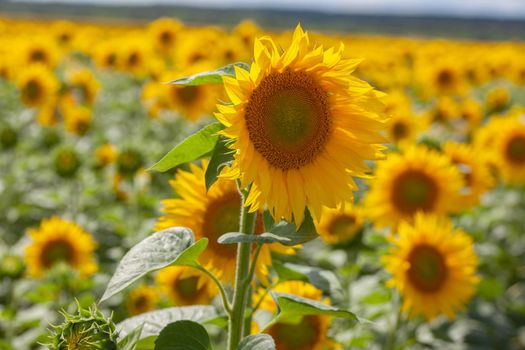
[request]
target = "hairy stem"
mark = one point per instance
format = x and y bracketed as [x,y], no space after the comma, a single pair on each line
[224,296]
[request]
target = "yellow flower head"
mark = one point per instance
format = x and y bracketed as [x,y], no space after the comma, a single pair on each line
[508,148]
[163,33]
[60,241]
[433,266]
[497,99]
[83,86]
[186,286]
[311,331]
[477,178]
[142,299]
[302,127]
[211,214]
[339,226]
[38,86]
[106,154]
[77,119]
[419,179]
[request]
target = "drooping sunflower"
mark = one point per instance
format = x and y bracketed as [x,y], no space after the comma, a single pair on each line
[508,151]
[211,214]
[302,127]
[60,241]
[433,266]
[419,179]
[311,331]
[38,86]
[477,178]
[340,226]
[186,286]
[142,299]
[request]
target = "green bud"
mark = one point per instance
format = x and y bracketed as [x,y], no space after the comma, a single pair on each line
[67,162]
[11,266]
[87,330]
[129,161]
[8,137]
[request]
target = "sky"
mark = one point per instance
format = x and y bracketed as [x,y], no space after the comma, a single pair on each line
[462,8]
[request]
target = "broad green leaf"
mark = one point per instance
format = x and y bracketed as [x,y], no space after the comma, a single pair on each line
[305,233]
[193,147]
[190,256]
[211,77]
[292,308]
[257,342]
[153,253]
[155,321]
[147,343]
[183,335]
[221,156]
[239,237]
[129,342]
[322,279]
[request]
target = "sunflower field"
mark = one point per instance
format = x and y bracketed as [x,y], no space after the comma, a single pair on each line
[175,187]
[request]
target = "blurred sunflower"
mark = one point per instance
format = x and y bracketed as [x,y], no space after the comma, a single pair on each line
[476,174]
[106,55]
[83,86]
[340,226]
[39,51]
[64,32]
[471,111]
[404,127]
[77,119]
[38,86]
[310,333]
[433,266]
[60,241]
[211,214]
[497,99]
[302,127]
[142,299]
[105,154]
[419,179]
[163,33]
[186,286]
[508,151]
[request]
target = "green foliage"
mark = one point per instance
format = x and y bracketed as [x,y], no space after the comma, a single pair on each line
[154,321]
[257,342]
[193,147]
[129,342]
[239,237]
[155,252]
[305,233]
[211,77]
[220,157]
[183,335]
[322,279]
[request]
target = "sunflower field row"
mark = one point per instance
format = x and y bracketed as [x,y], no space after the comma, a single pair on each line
[381,182]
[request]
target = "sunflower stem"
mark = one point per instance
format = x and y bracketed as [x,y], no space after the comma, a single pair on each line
[224,295]
[242,271]
[392,336]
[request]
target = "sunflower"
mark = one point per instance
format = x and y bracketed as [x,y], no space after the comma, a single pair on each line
[142,299]
[64,32]
[508,151]
[83,86]
[192,102]
[471,111]
[60,241]
[38,86]
[105,154]
[211,214]
[340,226]
[106,55]
[310,332]
[164,32]
[47,115]
[433,266]
[405,127]
[41,51]
[497,99]
[302,127]
[77,119]
[443,77]
[419,179]
[476,174]
[186,286]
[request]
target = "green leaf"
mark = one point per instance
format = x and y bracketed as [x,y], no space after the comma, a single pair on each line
[211,77]
[193,147]
[154,252]
[146,343]
[183,335]
[155,321]
[305,233]
[129,342]
[257,342]
[292,308]
[322,279]
[221,156]
[239,237]
[190,256]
